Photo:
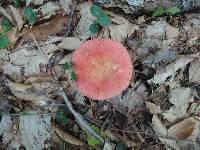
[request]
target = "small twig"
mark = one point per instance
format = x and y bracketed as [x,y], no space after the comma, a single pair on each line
[80,120]
[142,140]
[70,20]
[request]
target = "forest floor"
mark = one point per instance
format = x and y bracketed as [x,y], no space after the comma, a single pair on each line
[159,109]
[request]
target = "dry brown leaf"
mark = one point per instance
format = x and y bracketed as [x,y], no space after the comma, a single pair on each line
[43,31]
[17,15]
[183,129]
[11,36]
[67,137]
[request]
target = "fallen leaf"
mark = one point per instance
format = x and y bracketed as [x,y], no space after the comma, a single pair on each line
[194,72]
[35,2]
[65,4]
[67,137]
[17,16]
[4,13]
[135,2]
[25,58]
[161,130]
[49,8]
[35,130]
[83,28]
[132,101]
[169,70]
[182,130]
[158,126]
[43,31]
[121,32]
[160,57]
[12,36]
[70,43]
[154,109]
[180,98]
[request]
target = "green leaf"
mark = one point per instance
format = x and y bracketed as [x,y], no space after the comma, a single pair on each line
[96,129]
[6,25]
[4,42]
[103,20]
[31,15]
[159,12]
[67,66]
[16,3]
[92,142]
[73,76]
[61,118]
[94,28]
[174,10]
[96,11]
[121,146]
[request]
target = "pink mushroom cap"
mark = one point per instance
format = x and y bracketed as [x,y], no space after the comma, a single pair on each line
[103,67]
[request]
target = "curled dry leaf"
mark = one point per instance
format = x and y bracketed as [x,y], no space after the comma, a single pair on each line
[5,14]
[17,16]
[67,137]
[183,129]
[43,31]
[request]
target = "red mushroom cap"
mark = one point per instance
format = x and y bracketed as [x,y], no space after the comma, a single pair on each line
[103,67]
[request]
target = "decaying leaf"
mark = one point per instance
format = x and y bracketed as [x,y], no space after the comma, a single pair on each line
[26,59]
[4,13]
[67,137]
[70,43]
[133,100]
[35,2]
[183,129]
[35,130]
[194,71]
[160,57]
[65,4]
[158,126]
[154,109]
[180,98]
[169,70]
[43,31]
[83,28]
[49,8]
[17,16]
[121,32]
[161,131]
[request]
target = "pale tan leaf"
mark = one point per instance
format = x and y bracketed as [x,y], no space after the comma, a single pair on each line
[182,130]
[67,137]
[70,43]
[17,15]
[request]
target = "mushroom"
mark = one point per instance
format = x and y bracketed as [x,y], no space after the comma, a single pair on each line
[103,67]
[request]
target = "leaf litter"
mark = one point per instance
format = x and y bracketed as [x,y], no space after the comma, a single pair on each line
[160,108]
